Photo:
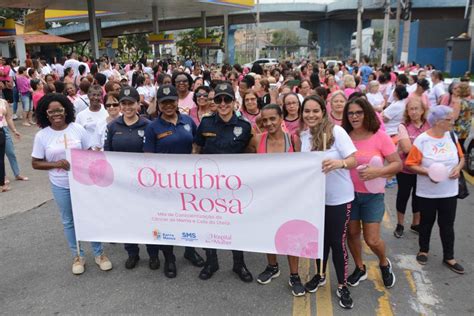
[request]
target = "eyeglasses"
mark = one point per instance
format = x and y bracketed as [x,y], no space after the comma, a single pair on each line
[58,111]
[227,99]
[202,95]
[181,81]
[108,105]
[250,99]
[355,113]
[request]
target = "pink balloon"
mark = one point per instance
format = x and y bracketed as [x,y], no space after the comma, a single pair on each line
[376,185]
[101,173]
[297,238]
[438,172]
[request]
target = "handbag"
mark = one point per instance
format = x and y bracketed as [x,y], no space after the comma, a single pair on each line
[463,191]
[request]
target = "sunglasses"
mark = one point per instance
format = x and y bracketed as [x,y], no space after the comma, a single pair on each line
[225,98]
[58,111]
[355,113]
[108,105]
[204,95]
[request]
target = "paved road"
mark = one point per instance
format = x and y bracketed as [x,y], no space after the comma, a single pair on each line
[35,272]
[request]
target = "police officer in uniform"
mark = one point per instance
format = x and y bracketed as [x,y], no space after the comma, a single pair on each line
[171,133]
[126,134]
[224,133]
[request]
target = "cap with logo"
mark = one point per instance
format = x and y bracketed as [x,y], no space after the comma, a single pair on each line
[129,94]
[224,88]
[166,92]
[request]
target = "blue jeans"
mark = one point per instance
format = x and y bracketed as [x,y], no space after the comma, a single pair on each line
[62,196]
[10,152]
[16,98]
[26,102]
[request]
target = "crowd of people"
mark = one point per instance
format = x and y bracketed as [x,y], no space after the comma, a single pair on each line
[377,126]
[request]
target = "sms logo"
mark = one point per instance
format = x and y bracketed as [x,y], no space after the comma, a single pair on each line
[188,236]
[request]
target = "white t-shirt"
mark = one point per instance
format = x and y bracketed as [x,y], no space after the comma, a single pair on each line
[107,73]
[89,119]
[49,145]
[81,103]
[85,65]
[59,69]
[375,99]
[394,112]
[339,186]
[431,150]
[411,88]
[148,92]
[100,134]
[435,93]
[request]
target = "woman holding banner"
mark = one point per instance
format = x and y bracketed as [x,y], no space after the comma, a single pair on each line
[323,135]
[275,140]
[55,116]
[374,146]
[125,134]
[171,133]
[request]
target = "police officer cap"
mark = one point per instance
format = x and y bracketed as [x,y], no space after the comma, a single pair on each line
[166,92]
[224,88]
[129,94]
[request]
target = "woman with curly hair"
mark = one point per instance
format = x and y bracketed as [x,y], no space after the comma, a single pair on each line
[55,117]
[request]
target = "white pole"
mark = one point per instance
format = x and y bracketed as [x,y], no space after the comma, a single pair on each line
[385,32]
[359,30]
[257,32]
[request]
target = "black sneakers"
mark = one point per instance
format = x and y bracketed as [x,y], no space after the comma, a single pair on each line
[297,288]
[357,276]
[270,273]
[398,231]
[132,262]
[313,284]
[415,229]
[154,263]
[345,300]
[388,276]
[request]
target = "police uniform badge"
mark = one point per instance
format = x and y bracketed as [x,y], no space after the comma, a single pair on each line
[126,92]
[166,91]
[187,128]
[141,133]
[238,131]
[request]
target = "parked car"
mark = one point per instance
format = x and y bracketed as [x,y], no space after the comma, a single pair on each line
[262,62]
[469,148]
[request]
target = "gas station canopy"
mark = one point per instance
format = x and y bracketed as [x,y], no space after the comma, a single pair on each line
[134,9]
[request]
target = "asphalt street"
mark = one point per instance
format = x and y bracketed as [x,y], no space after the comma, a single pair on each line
[36,278]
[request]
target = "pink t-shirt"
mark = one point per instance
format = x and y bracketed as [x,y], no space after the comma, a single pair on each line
[186,104]
[251,118]
[380,145]
[37,95]
[6,72]
[349,91]
[292,126]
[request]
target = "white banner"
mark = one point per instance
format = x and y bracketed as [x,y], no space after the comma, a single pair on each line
[271,203]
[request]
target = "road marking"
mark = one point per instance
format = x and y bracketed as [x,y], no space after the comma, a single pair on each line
[384,308]
[425,299]
[324,297]
[468,177]
[302,304]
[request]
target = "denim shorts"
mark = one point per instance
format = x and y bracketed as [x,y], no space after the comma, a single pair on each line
[368,207]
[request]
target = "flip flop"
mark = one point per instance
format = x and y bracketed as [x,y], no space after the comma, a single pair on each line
[7,181]
[21,178]
[5,188]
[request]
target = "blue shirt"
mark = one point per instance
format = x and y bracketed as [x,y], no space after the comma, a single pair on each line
[365,71]
[125,138]
[166,138]
[218,137]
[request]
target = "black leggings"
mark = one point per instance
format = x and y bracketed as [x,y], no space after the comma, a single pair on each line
[446,209]
[335,235]
[406,185]
[2,156]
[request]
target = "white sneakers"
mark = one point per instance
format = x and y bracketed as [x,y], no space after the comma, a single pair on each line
[78,265]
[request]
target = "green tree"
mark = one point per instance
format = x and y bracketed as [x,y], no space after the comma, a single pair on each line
[133,46]
[10,13]
[187,41]
[285,38]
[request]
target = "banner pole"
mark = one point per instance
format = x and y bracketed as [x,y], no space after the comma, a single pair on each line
[77,241]
[322,259]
